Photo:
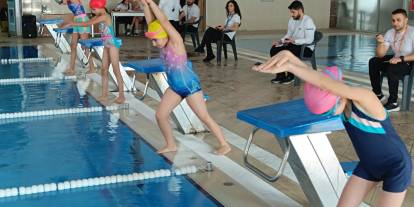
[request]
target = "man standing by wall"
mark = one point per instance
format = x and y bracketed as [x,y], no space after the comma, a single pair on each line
[301,30]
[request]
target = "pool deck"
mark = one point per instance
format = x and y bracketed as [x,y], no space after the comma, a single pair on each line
[232,86]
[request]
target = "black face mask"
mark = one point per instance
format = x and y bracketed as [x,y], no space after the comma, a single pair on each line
[190,4]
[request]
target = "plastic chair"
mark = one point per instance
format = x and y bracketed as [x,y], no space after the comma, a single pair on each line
[223,43]
[194,34]
[407,81]
[316,38]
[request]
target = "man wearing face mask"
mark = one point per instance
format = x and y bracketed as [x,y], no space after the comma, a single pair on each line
[190,14]
[301,30]
[401,40]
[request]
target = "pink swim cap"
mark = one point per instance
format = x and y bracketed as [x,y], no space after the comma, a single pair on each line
[320,101]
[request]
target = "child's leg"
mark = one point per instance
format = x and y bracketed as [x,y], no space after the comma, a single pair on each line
[73,44]
[136,23]
[355,191]
[390,199]
[168,102]
[91,66]
[114,56]
[198,105]
[104,74]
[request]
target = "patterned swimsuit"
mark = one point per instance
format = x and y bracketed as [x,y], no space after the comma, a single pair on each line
[180,75]
[108,37]
[80,16]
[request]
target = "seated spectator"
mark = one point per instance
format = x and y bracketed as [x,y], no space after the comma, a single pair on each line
[190,14]
[215,33]
[301,30]
[134,31]
[401,40]
[123,6]
[171,9]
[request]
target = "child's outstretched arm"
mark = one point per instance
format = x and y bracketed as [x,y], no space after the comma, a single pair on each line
[285,61]
[172,33]
[94,20]
[149,17]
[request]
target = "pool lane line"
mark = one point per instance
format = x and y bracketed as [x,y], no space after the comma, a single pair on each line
[96,181]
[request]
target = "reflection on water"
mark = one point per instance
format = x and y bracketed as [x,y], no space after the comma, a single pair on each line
[351,52]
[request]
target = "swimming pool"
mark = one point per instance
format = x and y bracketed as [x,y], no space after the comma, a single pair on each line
[76,146]
[351,52]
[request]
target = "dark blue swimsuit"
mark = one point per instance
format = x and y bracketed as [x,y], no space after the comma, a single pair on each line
[383,155]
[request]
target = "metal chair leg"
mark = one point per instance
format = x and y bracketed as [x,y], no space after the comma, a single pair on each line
[219,51]
[225,50]
[233,45]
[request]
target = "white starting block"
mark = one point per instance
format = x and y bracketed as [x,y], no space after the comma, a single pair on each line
[60,40]
[97,45]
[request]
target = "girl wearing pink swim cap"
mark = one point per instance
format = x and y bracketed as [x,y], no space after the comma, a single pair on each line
[182,80]
[383,155]
[111,48]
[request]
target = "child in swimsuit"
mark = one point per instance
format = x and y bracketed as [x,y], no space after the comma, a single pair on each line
[76,7]
[183,82]
[111,48]
[383,155]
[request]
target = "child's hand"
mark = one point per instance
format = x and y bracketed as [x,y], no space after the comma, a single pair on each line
[67,25]
[281,62]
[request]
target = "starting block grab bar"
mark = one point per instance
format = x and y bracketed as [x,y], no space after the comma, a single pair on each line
[257,170]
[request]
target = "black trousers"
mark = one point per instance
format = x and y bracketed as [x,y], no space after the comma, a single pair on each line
[295,49]
[212,36]
[175,24]
[186,28]
[394,73]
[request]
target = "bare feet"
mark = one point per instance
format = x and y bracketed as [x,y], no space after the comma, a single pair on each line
[167,149]
[103,98]
[69,72]
[224,149]
[90,71]
[120,99]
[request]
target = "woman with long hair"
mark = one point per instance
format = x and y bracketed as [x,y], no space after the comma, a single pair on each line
[215,33]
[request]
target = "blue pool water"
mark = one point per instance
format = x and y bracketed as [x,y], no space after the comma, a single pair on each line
[23,70]
[351,52]
[77,146]
[41,96]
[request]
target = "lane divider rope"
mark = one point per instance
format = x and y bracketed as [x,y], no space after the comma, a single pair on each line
[52,112]
[96,181]
[33,80]
[25,60]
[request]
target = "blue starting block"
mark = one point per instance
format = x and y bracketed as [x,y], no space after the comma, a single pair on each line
[59,32]
[50,21]
[44,22]
[302,136]
[349,167]
[95,42]
[147,67]
[68,30]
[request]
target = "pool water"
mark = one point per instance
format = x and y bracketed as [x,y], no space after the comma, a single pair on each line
[77,146]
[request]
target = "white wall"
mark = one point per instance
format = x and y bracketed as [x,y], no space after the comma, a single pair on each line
[268,14]
[55,8]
